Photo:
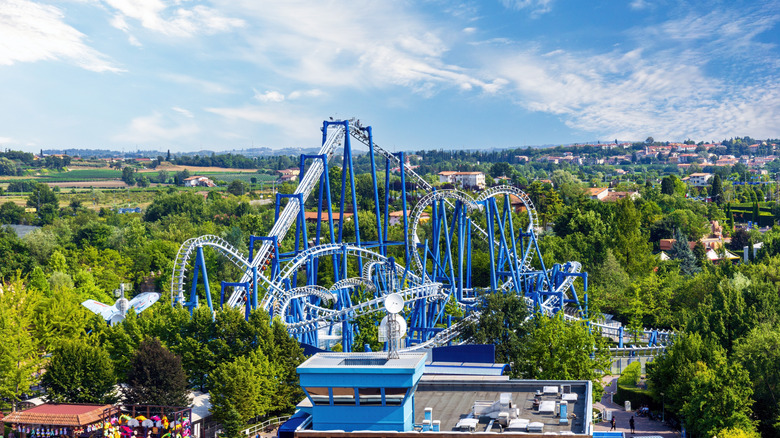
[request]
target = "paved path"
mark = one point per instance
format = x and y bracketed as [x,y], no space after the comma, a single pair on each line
[642,425]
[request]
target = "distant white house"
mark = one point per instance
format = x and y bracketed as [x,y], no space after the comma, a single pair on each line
[198,181]
[288,174]
[700,179]
[466,179]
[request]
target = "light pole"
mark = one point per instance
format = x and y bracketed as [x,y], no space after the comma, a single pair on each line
[663,408]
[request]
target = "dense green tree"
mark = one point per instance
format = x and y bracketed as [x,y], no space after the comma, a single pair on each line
[45,202]
[156,377]
[188,204]
[13,253]
[236,187]
[759,354]
[79,373]
[501,323]
[19,354]
[716,190]
[501,169]
[682,252]
[8,167]
[558,349]
[10,213]
[128,175]
[719,399]
[631,248]
[245,384]
[672,374]
[667,185]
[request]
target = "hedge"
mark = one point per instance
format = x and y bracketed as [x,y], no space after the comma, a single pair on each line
[638,397]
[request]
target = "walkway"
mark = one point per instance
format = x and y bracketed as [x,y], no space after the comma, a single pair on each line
[643,426]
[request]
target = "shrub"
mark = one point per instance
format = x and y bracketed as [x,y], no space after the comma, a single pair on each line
[631,375]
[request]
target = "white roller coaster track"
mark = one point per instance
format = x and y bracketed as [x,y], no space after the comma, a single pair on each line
[324,317]
[288,217]
[290,212]
[185,253]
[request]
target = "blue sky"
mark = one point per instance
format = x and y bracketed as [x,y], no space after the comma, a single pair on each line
[187,75]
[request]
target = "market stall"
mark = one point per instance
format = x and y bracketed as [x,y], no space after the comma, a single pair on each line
[51,420]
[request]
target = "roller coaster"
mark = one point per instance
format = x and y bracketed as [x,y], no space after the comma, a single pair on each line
[453,247]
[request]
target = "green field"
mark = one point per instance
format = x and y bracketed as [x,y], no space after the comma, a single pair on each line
[73,175]
[245,177]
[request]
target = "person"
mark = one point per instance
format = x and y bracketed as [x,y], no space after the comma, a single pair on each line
[631,424]
[613,424]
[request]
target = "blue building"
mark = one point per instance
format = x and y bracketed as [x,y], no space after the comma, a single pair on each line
[350,391]
[438,392]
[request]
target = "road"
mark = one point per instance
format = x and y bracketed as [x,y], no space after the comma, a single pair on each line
[642,425]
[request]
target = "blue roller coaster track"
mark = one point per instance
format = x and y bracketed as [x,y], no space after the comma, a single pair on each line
[430,267]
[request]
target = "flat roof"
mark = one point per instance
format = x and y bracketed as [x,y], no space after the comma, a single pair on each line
[361,362]
[467,368]
[453,400]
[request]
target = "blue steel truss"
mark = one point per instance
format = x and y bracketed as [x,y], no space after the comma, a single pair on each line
[433,265]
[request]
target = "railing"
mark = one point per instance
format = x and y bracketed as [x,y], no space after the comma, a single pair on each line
[260,427]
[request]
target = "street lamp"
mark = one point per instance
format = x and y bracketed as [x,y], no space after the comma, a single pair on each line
[663,408]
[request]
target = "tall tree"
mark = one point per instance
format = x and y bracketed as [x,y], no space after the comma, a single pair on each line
[667,185]
[759,353]
[557,349]
[719,399]
[156,377]
[19,355]
[501,323]
[716,189]
[45,203]
[682,252]
[79,373]
[245,384]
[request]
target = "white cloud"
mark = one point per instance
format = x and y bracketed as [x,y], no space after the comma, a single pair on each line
[537,7]
[299,94]
[287,119]
[644,91]
[201,84]
[469,30]
[640,4]
[182,111]
[4,140]
[157,128]
[172,19]
[358,44]
[269,96]
[31,32]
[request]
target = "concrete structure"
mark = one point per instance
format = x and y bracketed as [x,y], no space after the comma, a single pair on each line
[361,391]
[598,193]
[288,174]
[397,217]
[311,216]
[700,179]
[368,395]
[466,179]
[198,181]
[613,196]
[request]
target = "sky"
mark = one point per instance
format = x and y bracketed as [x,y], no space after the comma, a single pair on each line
[187,75]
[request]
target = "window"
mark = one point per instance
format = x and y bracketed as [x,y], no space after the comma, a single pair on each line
[370,396]
[343,396]
[319,396]
[394,396]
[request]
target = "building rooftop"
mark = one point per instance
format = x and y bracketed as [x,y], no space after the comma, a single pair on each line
[454,400]
[360,363]
[61,414]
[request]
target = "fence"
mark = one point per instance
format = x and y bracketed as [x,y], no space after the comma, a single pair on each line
[261,427]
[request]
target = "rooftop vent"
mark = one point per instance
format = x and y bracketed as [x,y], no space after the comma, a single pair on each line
[354,361]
